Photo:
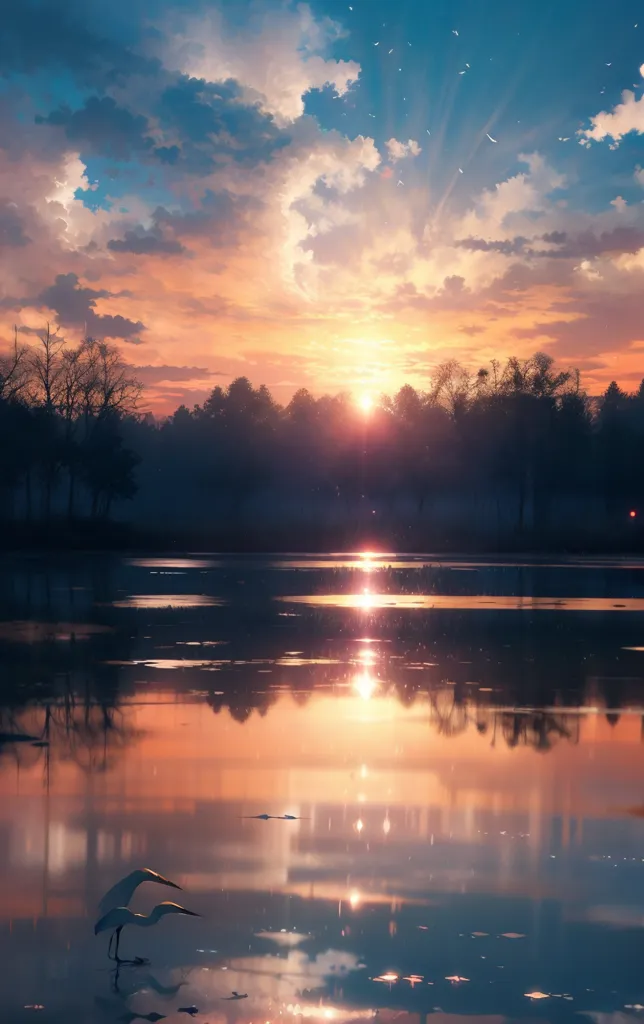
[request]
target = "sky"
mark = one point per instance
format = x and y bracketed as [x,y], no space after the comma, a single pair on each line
[326,195]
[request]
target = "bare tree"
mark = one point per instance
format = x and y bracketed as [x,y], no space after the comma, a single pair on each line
[46,366]
[14,371]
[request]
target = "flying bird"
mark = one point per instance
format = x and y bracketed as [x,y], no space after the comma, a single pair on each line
[392,50]
[117,918]
[460,170]
[377,44]
[194,1010]
[121,893]
[454,31]
[490,138]
[236,995]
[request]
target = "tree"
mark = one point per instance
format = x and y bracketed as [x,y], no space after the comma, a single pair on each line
[107,466]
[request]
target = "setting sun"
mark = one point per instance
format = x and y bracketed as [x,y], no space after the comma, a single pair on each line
[365,402]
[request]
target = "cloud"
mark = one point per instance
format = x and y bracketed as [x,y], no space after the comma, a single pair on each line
[280,57]
[165,169]
[12,232]
[173,374]
[586,245]
[54,34]
[142,242]
[625,117]
[400,150]
[102,127]
[74,306]
[508,247]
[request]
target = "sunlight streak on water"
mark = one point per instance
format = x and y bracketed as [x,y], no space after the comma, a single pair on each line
[168,601]
[367,601]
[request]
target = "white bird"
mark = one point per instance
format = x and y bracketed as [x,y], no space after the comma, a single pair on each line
[490,138]
[117,918]
[454,31]
[121,893]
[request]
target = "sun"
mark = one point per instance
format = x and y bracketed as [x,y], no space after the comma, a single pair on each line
[365,403]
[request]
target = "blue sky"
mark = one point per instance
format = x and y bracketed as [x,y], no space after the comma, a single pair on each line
[327,194]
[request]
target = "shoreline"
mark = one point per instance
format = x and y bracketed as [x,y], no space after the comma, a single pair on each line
[113,537]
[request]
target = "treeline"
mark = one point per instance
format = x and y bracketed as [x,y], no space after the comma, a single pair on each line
[515,450]
[61,443]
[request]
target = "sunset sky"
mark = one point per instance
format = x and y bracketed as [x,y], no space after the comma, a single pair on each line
[328,194]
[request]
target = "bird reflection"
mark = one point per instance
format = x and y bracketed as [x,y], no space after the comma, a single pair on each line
[128,1017]
[139,982]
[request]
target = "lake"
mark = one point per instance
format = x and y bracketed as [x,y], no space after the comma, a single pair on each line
[450,753]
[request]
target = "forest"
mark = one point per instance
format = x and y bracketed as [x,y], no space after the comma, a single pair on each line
[511,454]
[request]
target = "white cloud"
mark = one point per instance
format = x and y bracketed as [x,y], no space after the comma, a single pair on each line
[625,117]
[399,150]
[278,59]
[508,209]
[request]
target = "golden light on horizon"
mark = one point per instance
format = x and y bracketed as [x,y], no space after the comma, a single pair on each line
[355,899]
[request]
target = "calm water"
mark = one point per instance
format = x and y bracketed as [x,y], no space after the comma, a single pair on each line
[461,744]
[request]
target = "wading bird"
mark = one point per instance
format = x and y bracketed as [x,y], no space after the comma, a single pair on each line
[121,893]
[117,918]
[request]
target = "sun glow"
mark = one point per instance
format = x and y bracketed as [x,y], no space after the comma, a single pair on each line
[365,403]
[355,899]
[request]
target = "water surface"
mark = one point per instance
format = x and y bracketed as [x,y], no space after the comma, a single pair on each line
[459,743]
